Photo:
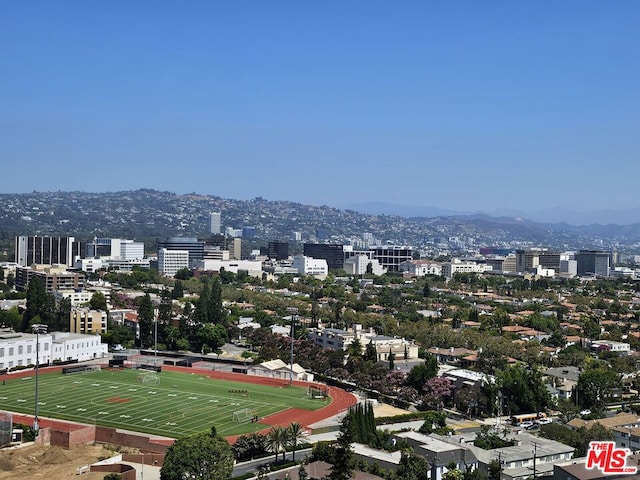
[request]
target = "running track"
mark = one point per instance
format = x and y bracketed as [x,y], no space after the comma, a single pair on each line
[340,401]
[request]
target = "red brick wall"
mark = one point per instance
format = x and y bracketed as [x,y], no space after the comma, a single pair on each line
[111,435]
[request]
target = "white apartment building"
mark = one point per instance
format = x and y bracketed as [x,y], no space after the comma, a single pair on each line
[449,269]
[421,268]
[610,346]
[310,266]
[358,264]
[76,297]
[171,261]
[339,339]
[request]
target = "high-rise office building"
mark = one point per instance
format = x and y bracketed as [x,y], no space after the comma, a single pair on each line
[46,250]
[333,253]
[593,262]
[537,257]
[278,250]
[215,223]
[189,244]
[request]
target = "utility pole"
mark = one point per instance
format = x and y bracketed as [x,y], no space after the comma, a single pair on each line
[535,451]
[38,329]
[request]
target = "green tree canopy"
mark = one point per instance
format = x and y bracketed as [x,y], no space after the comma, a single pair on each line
[198,457]
[595,385]
[419,374]
[145,321]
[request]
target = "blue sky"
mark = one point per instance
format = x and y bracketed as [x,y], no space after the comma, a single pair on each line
[459,105]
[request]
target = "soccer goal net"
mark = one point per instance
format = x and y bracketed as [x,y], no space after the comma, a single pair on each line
[151,378]
[243,415]
[92,368]
[317,392]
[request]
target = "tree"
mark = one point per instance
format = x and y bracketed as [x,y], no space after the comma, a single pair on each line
[426,289]
[247,447]
[145,321]
[437,390]
[214,306]
[98,302]
[370,353]
[344,461]
[39,304]
[595,385]
[202,456]
[453,474]
[523,390]
[413,467]
[433,421]
[62,315]
[277,439]
[295,433]
[213,336]
[419,374]
[178,290]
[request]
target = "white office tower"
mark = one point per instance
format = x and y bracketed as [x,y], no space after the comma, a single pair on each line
[170,261]
[215,223]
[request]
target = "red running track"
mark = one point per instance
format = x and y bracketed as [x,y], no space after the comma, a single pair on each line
[341,400]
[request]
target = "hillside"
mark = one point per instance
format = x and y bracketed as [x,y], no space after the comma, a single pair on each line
[149,214]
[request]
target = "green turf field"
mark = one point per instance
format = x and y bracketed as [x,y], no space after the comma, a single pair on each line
[180,404]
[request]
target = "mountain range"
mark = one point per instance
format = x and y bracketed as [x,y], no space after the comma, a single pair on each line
[148,215]
[553,215]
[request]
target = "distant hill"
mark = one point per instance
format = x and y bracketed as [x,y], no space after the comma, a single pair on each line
[150,214]
[553,215]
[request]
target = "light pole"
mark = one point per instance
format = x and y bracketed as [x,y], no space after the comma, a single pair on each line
[37,328]
[293,337]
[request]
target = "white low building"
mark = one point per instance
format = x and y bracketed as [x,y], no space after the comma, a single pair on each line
[253,268]
[310,266]
[449,269]
[19,349]
[74,346]
[420,268]
[279,369]
[358,264]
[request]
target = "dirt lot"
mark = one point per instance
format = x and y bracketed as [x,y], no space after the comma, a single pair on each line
[51,463]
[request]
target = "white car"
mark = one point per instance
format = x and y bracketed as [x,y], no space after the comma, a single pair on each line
[585,412]
[525,424]
[544,421]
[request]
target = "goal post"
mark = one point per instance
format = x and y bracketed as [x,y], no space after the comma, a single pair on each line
[243,415]
[151,378]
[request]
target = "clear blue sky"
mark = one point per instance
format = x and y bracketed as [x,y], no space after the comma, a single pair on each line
[461,105]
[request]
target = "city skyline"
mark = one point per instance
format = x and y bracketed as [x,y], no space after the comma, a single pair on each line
[466,107]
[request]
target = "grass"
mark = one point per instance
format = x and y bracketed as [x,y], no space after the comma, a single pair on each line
[181,404]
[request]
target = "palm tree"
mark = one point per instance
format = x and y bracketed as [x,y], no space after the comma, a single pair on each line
[276,439]
[295,433]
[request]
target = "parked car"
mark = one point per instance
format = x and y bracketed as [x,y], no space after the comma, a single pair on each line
[544,421]
[526,425]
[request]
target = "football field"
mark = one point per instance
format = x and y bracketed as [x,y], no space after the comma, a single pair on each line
[168,403]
